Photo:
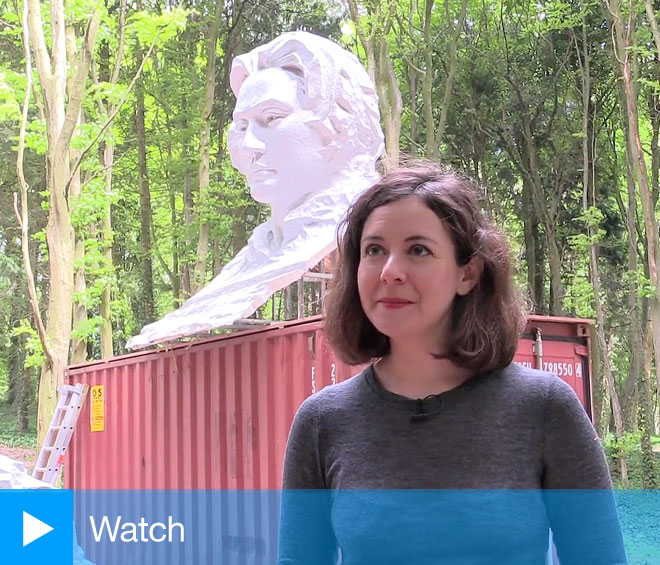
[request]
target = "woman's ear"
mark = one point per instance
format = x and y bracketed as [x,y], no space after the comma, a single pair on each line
[470,274]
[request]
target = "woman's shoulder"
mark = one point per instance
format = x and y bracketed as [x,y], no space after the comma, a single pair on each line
[337,397]
[532,385]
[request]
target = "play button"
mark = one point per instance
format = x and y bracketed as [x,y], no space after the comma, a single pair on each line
[33,528]
[36,526]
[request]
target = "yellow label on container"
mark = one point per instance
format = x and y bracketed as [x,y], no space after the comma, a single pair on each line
[97,408]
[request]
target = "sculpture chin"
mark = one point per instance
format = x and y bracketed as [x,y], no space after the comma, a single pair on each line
[285,194]
[264,190]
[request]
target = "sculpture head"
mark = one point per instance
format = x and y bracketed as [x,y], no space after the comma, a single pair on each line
[306,112]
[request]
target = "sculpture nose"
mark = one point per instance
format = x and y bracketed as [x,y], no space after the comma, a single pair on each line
[253,144]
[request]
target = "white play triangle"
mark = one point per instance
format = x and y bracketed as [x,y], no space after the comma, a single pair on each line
[33,528]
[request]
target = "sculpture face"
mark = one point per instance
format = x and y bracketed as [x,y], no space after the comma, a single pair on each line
[273,143]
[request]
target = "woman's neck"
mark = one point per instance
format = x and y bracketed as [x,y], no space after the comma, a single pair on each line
[415,373]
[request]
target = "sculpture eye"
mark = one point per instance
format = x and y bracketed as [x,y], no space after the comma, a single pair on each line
[240,125]
[270,118]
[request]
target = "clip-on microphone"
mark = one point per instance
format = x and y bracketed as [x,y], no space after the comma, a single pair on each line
[420,414]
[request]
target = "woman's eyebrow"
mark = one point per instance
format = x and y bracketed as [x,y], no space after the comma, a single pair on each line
[410,238]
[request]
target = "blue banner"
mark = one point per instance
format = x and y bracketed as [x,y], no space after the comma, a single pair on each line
[198,527]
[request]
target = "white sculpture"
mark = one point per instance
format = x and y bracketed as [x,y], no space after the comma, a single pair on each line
[306,134]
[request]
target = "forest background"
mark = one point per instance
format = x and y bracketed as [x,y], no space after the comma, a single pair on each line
[118,200]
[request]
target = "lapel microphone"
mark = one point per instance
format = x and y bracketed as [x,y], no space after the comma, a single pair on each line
[420,414]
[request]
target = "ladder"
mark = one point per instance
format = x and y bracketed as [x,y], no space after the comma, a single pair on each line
[51,456]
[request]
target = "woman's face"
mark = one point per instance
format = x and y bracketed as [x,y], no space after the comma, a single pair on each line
[408,276]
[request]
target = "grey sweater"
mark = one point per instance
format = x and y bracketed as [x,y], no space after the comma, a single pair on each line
[518,428]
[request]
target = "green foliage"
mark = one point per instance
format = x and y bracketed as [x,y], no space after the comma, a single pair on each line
[9,436]
[35,355]
[107,92]
[87,329]
[559,15]
[645,287]
[148,27]
[653,85]
[11,86]
[35,136]
[4,377]
[629,447]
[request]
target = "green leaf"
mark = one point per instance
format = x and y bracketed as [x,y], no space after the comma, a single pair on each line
[149,27]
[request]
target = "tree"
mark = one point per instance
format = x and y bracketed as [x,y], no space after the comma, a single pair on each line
[62,109]
[373,31]
[623,40]
[204,142]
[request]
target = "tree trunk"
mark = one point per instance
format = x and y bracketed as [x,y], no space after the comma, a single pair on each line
[107,349]
[19,392]
[534,251]
[649,479]
[23,399]
[453,64]
[217,256]
[653,22]
[617,414]
[654,112]
[427,83]
[554,261]
[174,219]
[146,315]
[15,362]
[602,409]
[391,104]
[204,141]
[239,232]
[188,204]
[412,90]
[78,344]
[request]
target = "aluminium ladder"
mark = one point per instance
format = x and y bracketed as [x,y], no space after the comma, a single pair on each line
[51,456]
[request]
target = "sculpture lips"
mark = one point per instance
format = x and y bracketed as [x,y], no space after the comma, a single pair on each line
[260,174]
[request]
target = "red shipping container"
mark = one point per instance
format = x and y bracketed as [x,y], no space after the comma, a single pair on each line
[215,413]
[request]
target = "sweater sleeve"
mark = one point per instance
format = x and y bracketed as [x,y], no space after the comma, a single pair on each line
[579,499]
[306,536]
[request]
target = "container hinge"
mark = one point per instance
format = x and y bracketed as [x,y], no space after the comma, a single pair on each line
[311,345]
[537,348]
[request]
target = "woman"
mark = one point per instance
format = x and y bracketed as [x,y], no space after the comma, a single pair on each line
[424,285]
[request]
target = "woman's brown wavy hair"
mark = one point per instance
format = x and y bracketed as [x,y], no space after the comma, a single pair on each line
[486,323]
